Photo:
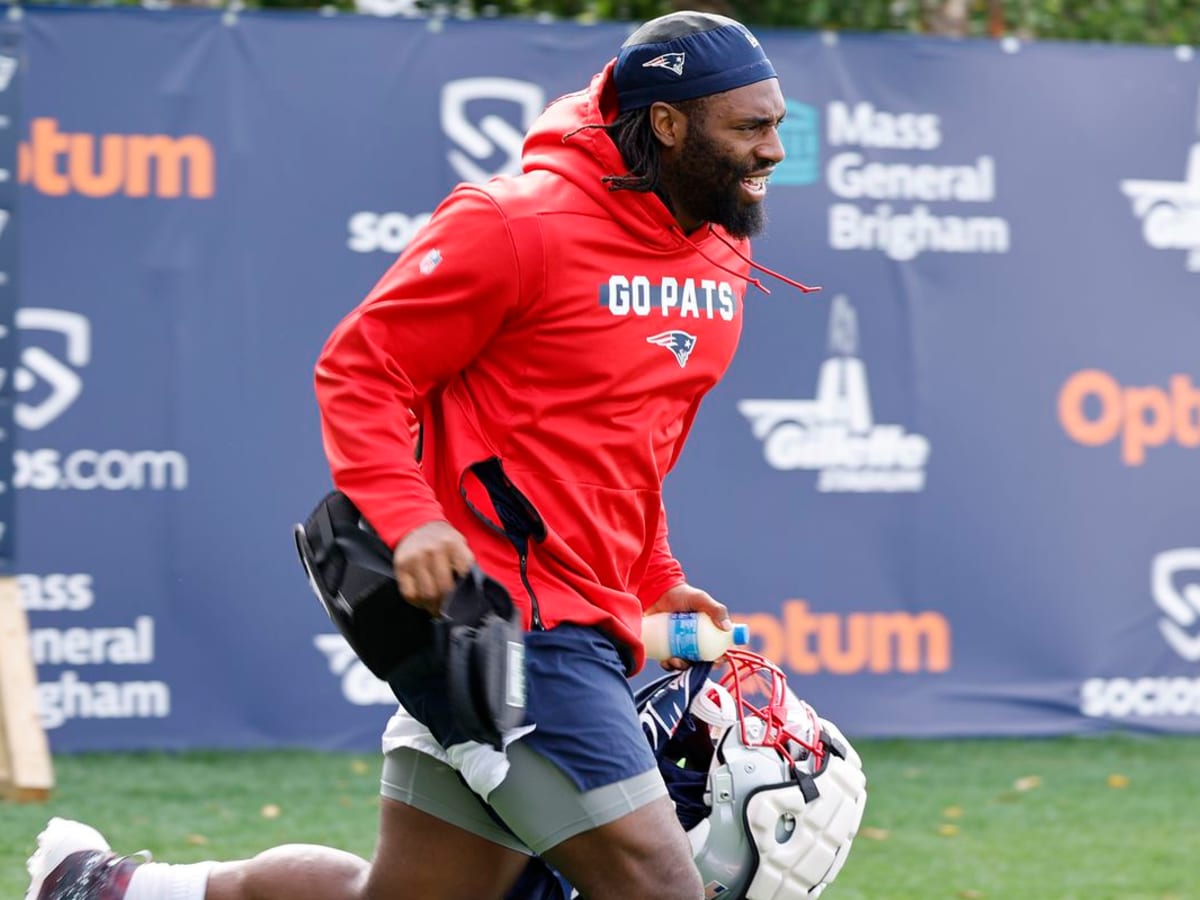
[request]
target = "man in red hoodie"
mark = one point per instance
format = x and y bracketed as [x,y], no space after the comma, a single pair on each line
[549,337]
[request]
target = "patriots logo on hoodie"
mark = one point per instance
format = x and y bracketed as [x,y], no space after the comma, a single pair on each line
[678,342]
[671,61]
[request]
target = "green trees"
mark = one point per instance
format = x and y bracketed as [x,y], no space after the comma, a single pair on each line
[1122,21]
[1133,21]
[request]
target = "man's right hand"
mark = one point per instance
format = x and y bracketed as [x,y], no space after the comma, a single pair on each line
[428,562]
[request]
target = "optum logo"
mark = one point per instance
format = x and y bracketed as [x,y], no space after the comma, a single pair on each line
[1096,409]
[847,643]
[59,163]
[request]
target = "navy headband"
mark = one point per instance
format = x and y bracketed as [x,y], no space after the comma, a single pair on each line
[693,65]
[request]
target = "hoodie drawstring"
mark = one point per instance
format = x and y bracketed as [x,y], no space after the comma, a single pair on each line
[749,279]
[746,259]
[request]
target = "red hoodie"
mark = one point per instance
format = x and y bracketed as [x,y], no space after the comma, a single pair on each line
[567,332]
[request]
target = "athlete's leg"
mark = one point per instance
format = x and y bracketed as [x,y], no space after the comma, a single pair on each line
[619,840]
[583,788]
[418,855]
[435,841]
[642,854]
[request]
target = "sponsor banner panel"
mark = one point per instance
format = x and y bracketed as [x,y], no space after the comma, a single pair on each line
[12,65]
[950,493]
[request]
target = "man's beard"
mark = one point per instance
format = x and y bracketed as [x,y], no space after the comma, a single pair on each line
[710,183]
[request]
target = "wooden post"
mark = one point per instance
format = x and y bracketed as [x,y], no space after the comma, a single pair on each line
[26,772]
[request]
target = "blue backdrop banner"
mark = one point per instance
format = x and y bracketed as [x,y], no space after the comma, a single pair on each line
[952,494]
[10,120]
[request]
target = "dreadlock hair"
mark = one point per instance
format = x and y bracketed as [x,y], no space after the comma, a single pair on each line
[631,130]
[639,147]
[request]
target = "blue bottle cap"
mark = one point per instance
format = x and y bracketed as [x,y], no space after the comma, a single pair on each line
[741,634]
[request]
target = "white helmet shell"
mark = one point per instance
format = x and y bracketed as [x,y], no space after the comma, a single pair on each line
[773,834]
[783,792]
[802,845]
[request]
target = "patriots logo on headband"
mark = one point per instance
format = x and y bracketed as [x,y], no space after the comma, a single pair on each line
[671,61]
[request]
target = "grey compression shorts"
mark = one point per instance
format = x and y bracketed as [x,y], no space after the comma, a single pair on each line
[540,805]
[585,763]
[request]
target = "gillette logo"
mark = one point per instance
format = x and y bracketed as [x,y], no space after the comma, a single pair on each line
[1170,210]
[835,434]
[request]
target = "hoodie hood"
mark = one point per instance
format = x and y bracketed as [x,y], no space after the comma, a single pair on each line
[569,139]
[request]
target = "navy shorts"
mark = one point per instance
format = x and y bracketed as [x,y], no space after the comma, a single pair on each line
[585,763]
[578,699]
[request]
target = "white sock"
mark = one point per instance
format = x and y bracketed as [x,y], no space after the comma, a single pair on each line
[163,881]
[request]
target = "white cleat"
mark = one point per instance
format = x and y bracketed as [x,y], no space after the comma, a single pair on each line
[58,840]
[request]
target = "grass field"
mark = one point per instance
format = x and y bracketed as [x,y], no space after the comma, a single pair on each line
[1063,819]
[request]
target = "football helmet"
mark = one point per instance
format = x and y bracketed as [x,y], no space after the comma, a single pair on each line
[770,794]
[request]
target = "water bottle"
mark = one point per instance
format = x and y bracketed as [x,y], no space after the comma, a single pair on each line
[689,635]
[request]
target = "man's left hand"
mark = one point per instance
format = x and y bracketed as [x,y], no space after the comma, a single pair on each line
[685,598]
